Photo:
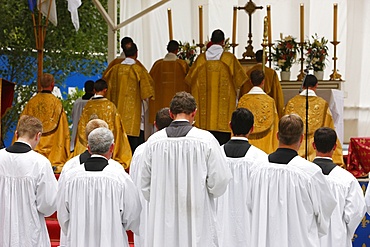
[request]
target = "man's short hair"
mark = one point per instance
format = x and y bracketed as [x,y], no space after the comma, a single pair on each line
[290,129]
[162,118]
[242,121]
[46,80]
[257,77]
[89,86]
[310,81]
[94,124]
[29,126]
[172,46]
[217,36]
[259,56]
[124,41]
[100,85]
[183,102]
[130,49]
[325,139]
[100,140]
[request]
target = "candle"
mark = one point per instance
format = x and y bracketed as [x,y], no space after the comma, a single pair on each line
[269,24]
[234,26]
[302,23]
[335,22]
[200,24]
[170,23]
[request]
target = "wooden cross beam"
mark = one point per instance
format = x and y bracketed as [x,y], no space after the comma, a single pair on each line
[250,8]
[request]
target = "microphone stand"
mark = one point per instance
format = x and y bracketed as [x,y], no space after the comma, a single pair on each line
[306,134]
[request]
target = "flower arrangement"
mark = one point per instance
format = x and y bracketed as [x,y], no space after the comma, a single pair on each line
[285,53]
[187,52]
[317,53]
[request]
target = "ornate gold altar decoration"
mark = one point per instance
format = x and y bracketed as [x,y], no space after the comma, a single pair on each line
[250,8]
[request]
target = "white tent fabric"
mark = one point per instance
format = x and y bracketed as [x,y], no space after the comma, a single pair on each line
[151,35]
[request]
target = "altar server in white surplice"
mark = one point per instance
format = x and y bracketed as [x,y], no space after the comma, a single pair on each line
[183,171]
[28,189]
[347,191]
[79,160]
[162,120]
[97,201]
[231,207]
[289,199]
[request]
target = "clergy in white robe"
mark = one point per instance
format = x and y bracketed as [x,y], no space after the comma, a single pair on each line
[183,171]
[28,189]
[97,201]
[289,200]
[78,106]
[162,120]
[347,191]
[79,160]
[231,207]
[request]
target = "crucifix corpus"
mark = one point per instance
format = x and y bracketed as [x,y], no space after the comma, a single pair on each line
[250,8]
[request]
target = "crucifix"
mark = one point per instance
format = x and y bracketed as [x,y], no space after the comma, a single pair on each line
[250,8]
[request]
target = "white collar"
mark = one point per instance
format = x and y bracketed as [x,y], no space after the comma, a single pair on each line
[25,143]
[239,138]
[214,52]
[319,157]
[128,61]
[256,90]
[310,92]
[98,156]
[170,57]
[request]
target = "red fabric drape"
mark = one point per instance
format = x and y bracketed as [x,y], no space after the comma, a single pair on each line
[358,161]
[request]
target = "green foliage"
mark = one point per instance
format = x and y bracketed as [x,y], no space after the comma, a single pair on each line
[65,50]
[69,101]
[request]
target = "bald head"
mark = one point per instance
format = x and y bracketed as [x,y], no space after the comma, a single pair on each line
[94,124]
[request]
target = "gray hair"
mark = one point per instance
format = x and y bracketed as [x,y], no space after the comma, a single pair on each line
[100,140]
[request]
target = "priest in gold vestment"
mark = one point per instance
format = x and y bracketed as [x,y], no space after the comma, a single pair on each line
[122,56]
[102,108]
[272,84]
[214,79]
[129,86]
[319,115]
[55,141]
[168,75]
[266,119]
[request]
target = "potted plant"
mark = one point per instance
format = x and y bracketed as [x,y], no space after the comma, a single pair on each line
[316,55]
[284,55]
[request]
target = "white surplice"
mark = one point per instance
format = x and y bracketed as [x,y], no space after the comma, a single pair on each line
[27,195]
[290,205]
[231,207]
[349,211]
[135,173]
[181,177]
[96,208]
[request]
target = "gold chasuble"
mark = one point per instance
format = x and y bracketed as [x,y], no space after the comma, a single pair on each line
[318,116]
[272,87]
[128,85]
[266,121]
[55,140]
[107,111]
[168,79]
[214,85]
[115,61]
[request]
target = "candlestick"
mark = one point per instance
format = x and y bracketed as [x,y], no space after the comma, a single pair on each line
[335,22]
[302,23]
[234,25]
[269,24]
[200,24]
[170,23]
